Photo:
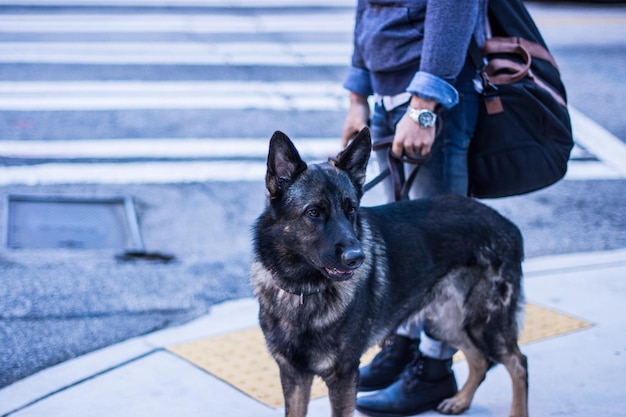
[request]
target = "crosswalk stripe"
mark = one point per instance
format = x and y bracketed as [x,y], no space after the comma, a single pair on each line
[592,170]
[177,53]
[599,141]
[125,95]
[317,148]
[189,3]
[268,22]
[132,173]
[150,172]
[220,159]
[196,171]
[173,148]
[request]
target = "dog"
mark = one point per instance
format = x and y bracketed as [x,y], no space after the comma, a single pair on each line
[333,278]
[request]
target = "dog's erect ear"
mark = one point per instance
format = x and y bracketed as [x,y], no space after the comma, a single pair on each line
[283,164]
[355,157]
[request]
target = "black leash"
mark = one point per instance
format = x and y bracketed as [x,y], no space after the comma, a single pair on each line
[395,168]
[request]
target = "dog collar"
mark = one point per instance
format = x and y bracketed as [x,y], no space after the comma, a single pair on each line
[302,294]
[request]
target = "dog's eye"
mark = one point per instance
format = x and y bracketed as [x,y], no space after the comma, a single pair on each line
[313,212]
[351,210]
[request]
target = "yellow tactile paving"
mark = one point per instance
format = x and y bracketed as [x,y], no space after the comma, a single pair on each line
[241,358]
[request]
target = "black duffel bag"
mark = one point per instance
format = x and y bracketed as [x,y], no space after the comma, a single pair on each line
[523,137]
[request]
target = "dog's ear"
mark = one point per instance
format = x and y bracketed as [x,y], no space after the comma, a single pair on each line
[355,157]
[283,164]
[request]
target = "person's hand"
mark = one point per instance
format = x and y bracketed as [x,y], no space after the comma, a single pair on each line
[356,119]
[410,138]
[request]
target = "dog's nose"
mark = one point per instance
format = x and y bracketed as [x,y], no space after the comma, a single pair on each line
[353,258]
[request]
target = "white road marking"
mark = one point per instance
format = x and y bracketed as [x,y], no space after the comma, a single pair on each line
[176,53]
[161,148]
[189,3]
[127,95]
[599,141]
[591,170]
[148,172]
[194,171]
[313,149]
[132,173]
[188,23]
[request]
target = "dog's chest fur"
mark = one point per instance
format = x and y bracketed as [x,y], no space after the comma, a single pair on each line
[304,327]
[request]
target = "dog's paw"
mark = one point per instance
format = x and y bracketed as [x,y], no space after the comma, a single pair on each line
[454,405]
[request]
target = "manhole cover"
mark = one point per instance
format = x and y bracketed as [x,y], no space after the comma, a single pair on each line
[73,223]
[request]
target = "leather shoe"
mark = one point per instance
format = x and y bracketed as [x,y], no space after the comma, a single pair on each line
[387,366]
[422,386]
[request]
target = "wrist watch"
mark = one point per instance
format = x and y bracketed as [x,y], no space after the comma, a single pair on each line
[423,117]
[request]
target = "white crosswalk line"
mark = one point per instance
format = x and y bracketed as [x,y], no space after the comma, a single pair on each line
[212,169]
[592,170]
[196,171]
[132,173]
[149,172]
[189,23]
[126,95]
[318,148]
[191,3]
[176,53]
[599,141]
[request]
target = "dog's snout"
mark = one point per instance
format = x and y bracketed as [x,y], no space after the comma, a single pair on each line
[353,258]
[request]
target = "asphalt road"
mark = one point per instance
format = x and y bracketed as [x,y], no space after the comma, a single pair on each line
[60,303]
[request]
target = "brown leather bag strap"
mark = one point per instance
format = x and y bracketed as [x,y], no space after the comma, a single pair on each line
[505,71]
[502,45]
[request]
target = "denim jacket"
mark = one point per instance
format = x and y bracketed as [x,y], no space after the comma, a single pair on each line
[419,46]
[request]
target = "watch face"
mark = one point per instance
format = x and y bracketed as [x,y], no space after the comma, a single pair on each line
[423,117]
[426,119]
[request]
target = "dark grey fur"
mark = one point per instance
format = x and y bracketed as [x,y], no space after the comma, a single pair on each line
[333,279]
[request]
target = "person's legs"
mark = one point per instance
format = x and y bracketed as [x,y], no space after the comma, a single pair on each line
[458,132]
[400,349]
[428,378]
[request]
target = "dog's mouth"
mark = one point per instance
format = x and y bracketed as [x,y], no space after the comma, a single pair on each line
[339,274]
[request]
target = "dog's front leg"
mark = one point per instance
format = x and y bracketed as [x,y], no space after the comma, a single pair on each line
[296,390]
[342,388]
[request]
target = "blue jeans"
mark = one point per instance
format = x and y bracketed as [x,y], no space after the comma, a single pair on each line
[444,173]
[446,170]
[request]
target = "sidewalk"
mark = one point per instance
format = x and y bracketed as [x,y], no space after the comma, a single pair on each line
[575,370]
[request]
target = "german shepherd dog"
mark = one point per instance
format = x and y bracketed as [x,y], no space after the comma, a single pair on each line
[333,279]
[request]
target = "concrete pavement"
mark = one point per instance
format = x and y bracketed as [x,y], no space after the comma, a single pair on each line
[575,371]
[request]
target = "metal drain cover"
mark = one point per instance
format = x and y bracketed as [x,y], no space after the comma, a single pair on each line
[72,223]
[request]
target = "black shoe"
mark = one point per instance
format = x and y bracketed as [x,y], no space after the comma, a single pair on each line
[388,364]
[423,385]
